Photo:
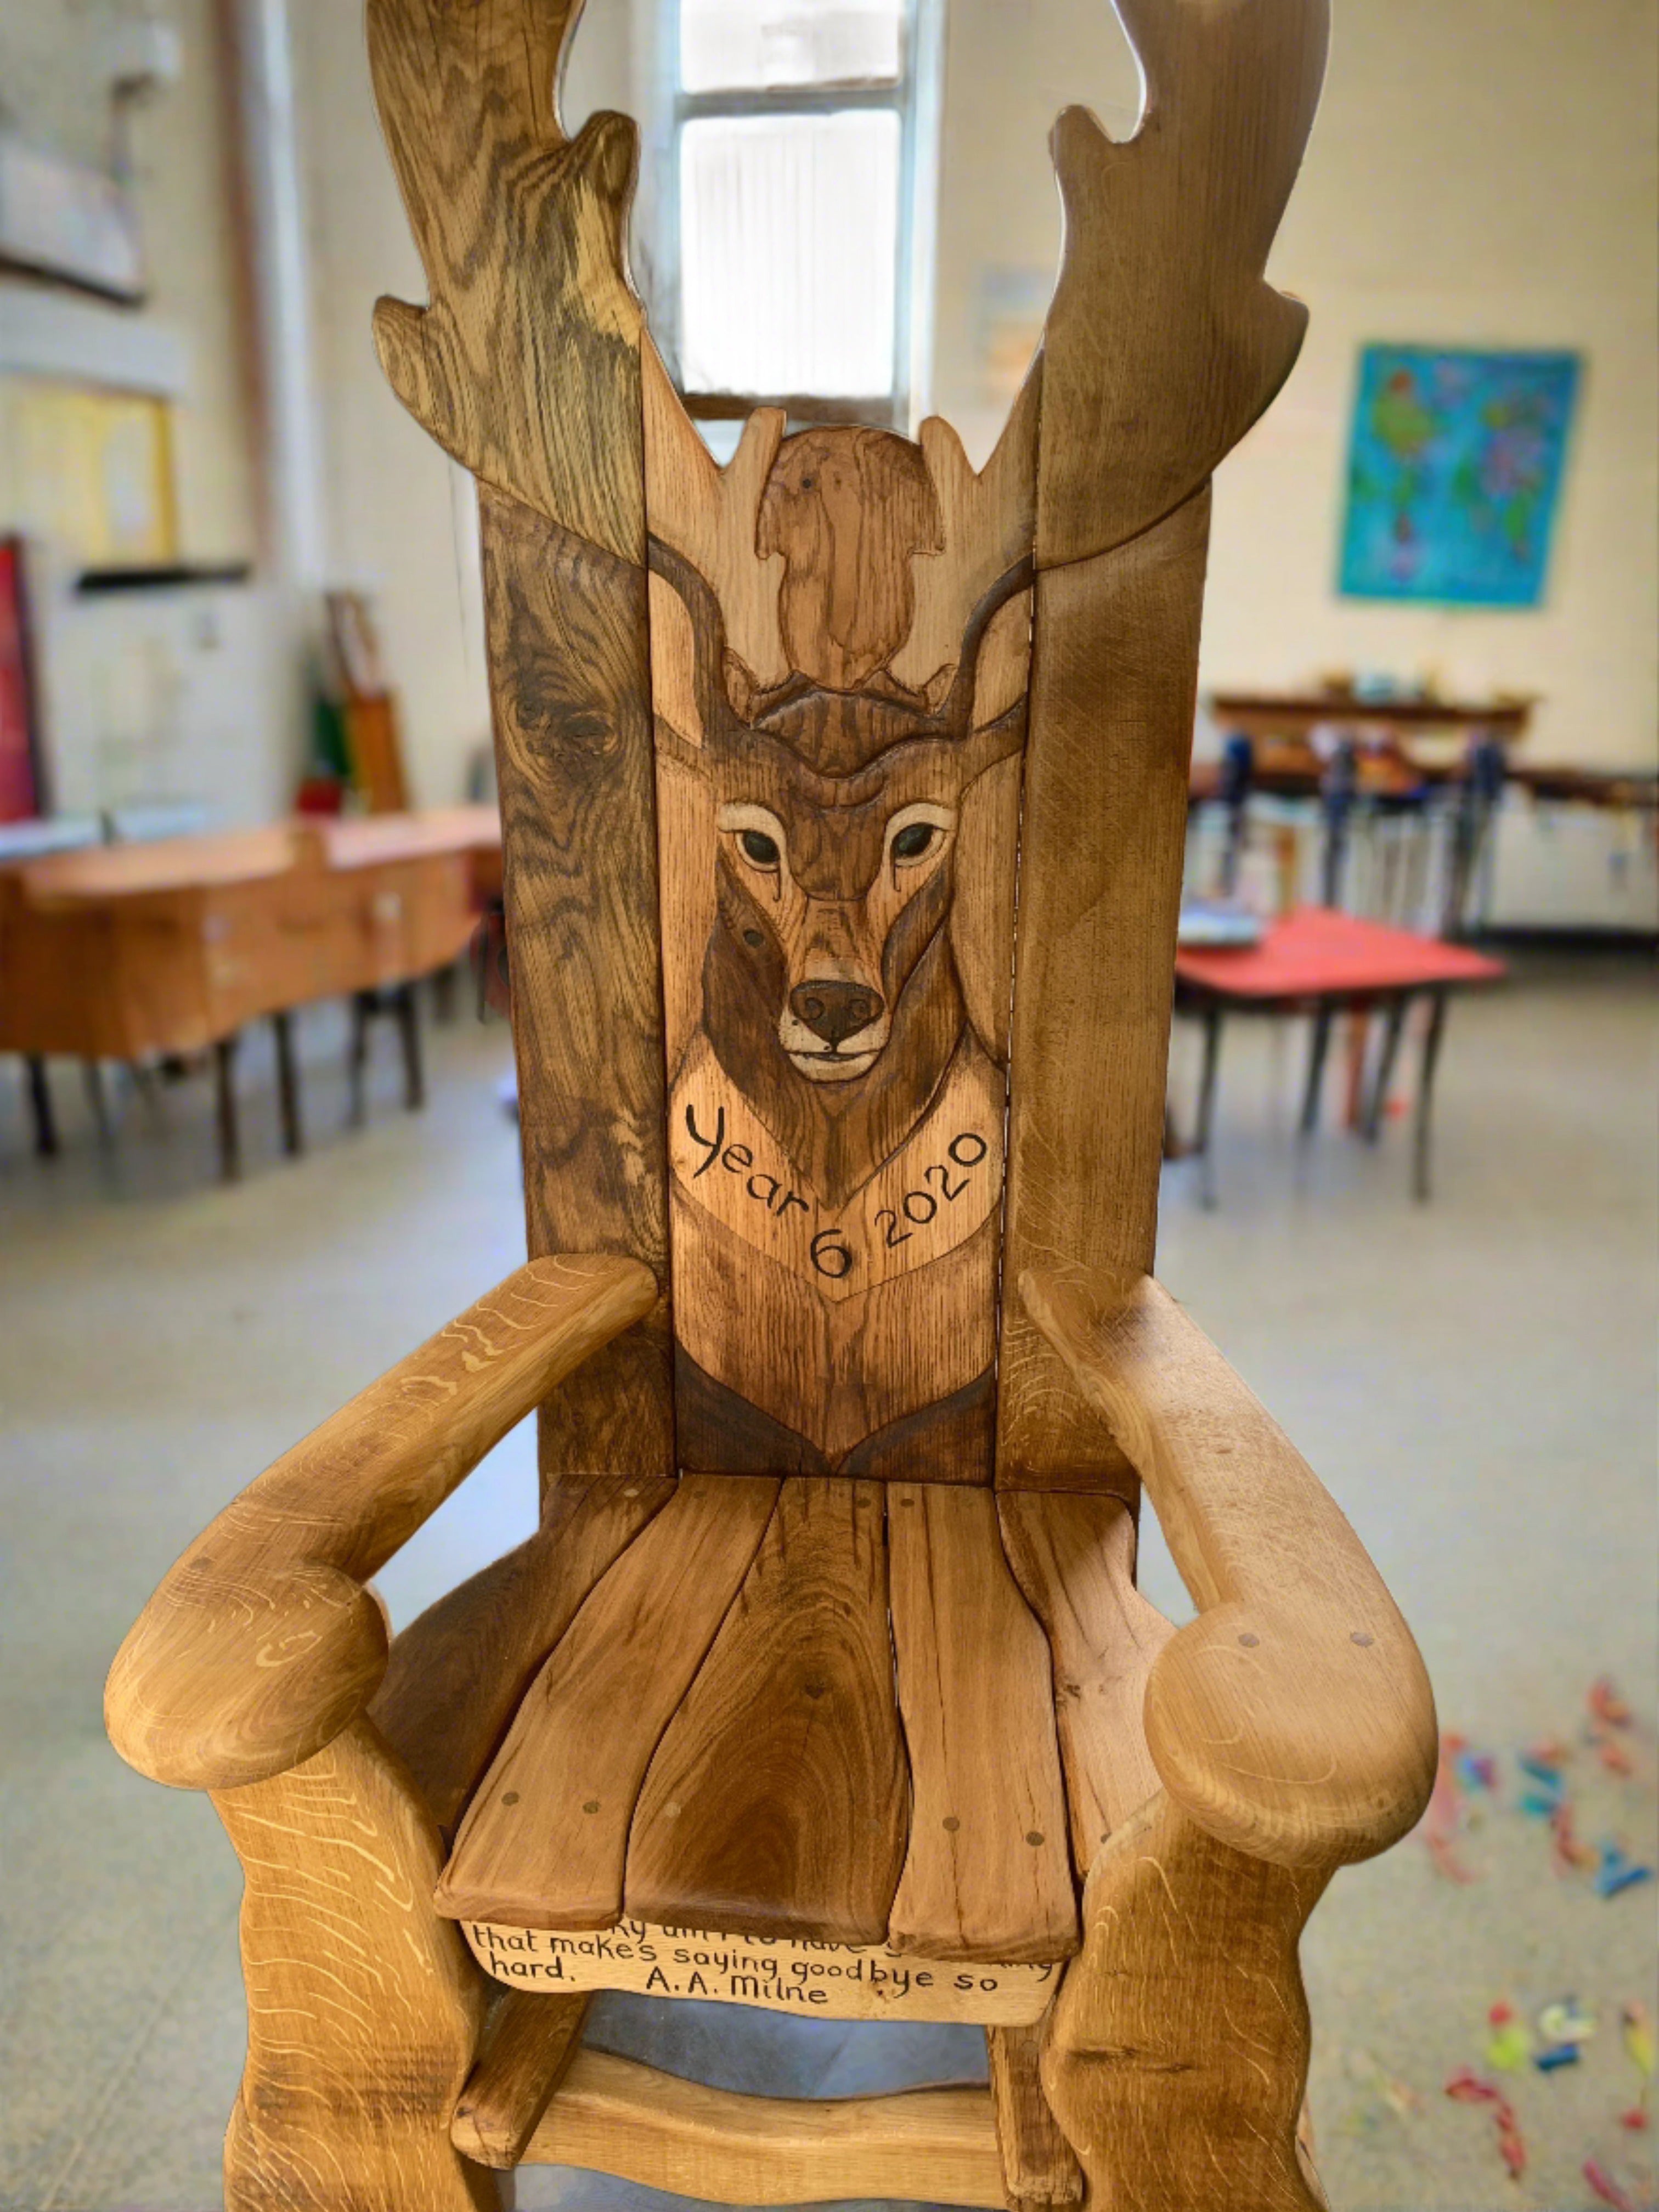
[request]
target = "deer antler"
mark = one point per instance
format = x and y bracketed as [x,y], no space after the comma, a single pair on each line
[1163,343]
[525,365]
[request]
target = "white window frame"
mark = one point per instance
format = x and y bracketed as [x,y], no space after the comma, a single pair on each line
[915,99]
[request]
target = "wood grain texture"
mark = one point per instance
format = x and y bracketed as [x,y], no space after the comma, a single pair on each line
[1074,1558]
[364,2010]
[1114,690]
[543,1843]
[1162,342]
[778,1801]
[525,2051]
[457,1674]
[923,2145]
[570,674]
[1293,1719]
[263,1642]
[1039,2166]
[1178,2052]
[987,1875]
[828,1981]
[525,365]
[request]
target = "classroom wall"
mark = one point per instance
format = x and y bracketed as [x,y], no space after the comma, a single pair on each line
[182,695]
[1481,172]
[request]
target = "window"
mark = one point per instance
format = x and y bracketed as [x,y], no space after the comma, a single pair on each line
[803,155]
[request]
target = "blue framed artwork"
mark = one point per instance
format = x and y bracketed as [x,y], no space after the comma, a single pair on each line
[1454,474]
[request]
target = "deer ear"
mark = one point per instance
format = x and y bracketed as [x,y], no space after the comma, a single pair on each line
[982,911]
[1002,673]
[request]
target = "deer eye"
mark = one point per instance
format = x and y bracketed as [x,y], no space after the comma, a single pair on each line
[760,848]
[914,840]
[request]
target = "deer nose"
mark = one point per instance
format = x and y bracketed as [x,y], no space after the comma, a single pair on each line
[835,1010]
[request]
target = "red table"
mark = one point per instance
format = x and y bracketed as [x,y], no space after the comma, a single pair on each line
[1321,962]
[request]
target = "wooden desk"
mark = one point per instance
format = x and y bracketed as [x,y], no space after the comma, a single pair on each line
[129,952]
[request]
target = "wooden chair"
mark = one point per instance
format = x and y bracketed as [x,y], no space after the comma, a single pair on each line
[823,1686]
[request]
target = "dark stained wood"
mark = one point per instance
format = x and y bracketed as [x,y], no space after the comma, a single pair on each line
[1162,342]
[1074,1558]
[457,1675]
[1102,841]
[1039,2166]
[573,742]
[987,1875]
[778,1801]
[528,2045]
[543,1842]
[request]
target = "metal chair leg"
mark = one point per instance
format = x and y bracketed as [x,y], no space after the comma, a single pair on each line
[362,1008]
[1376,1105]
[40,1107]
[230,1134]
[408,1030]
[1420,1186]
[92,1080]
[288,1085]
[1317,1051]
[1214,1018]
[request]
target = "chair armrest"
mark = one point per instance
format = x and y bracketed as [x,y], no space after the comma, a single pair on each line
[1293,1718]
[263,1642]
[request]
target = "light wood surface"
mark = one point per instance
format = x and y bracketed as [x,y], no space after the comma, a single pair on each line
[1102,843]
[1178,2054]
[1073,1557]
[457,1674]
[988,1873]
[526,2050]
[1293,1719]
[614,2116]
[720,1966]
[1039,2166]
[1162,342]
[778,1799]
[263,1642]
[544,1842]
[357,2048]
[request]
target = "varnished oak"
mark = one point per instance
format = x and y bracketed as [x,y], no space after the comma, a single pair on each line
[544,1841]
[262,1641]
[1177,2052]
[615,2116]
[527,2048]
[987,1875]
[1039,2166]
[778,1799]
[1293,1719]
[456,1676]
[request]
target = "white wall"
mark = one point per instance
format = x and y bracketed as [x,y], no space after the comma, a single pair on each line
[1482,171]
[180,695]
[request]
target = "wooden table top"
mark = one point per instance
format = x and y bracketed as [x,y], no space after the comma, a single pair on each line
[97,874]
[1506,718]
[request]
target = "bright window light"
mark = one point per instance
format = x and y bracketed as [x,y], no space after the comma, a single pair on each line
[733,45]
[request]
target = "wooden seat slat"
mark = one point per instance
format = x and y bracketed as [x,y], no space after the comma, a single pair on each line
[778,1801]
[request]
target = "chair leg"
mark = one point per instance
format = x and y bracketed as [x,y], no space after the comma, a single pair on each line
[362,1009]
[1378,1105]
[1317,1050]
[409,1029]
[364,2010]
[1039,2166]
[91,1080]
[1421,1188]
[1178,2048]
[224,1092]
[1214,1018]
[40,1107]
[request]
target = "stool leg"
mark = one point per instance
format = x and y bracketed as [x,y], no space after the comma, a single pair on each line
[40,1107]
[230,1134]
[1208,1081]
[288,1085]
[362,1006]
[1436,1029]
[408,1030]
[1376,1105]
[1318,1048]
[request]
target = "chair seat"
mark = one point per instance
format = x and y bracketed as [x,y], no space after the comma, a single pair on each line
[822,1713]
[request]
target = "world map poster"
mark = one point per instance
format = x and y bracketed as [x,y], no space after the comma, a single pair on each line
[1454,474]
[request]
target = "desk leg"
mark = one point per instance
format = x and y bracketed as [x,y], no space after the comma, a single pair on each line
[408,1030]
[1436,1029]
[230,1134]
[1214,1018]
[288,1085]
[41,1108]
[1318,1048]
[1378,1105]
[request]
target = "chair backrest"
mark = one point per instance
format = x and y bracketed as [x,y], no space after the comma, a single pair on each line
[844,787]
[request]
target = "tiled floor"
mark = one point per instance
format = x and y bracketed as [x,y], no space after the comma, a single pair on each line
[1475,1380]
